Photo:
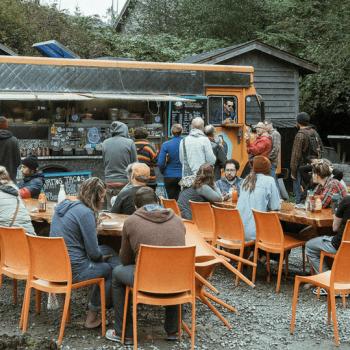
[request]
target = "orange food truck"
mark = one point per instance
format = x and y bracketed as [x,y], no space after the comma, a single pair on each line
[61,109]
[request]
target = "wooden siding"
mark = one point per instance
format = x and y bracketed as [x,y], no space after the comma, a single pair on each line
[276,81]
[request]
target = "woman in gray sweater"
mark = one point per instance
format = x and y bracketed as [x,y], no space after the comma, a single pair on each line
[202,190]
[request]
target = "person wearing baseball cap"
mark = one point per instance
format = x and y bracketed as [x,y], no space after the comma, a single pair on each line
[258,191]
[10,156]
[33,181]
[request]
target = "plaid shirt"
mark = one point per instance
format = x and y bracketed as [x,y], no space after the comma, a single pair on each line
[331,187]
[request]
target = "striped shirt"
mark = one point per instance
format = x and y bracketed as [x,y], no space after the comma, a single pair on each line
[147,154]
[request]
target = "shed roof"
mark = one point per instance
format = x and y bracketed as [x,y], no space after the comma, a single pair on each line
[223,54]
[122,13]
[4,50]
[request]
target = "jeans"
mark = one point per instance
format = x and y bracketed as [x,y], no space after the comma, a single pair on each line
[172,187]
[297,188]
[96,270]
[122,276]
[313,251]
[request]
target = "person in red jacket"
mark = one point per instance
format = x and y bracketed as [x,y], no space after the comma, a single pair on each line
[262,145]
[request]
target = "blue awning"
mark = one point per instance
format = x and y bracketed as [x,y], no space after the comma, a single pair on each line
[53,48]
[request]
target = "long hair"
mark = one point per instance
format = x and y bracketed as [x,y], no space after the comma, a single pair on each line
[250,182]
[4,176]
[91,192]
[205,176]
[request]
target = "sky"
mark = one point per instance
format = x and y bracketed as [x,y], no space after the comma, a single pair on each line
[87,7]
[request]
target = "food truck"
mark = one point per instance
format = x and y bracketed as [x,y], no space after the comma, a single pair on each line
[61,109]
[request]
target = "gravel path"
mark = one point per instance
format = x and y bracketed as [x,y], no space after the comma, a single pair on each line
[262,322]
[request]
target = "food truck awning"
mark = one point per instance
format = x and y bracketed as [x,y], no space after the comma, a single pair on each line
[138,97]
[44,96]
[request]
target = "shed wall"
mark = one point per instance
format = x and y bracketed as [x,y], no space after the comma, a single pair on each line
[277,82]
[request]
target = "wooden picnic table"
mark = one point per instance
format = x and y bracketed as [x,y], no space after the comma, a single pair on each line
[32,206]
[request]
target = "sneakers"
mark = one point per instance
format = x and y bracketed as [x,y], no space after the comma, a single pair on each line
[111,335]
[323,292]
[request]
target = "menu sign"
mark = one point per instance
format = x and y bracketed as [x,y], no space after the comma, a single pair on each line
[183,113]
[70,180]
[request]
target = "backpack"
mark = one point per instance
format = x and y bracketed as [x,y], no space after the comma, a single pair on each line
[315,147]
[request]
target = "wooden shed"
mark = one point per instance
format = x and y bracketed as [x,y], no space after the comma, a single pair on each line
[277,75]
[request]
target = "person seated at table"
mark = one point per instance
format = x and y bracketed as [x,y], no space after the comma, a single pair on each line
[230,181]
[151,224]
[258,191]
[75,221]
[33,181]
[128,171]
[327,186]
[12,209]
[124,203]
[329,244]
[202,190]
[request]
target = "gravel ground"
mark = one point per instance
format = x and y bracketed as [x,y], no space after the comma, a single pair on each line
[262,322]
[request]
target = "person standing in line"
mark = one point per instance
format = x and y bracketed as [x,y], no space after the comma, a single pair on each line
[218,150]
[262,144]
[169,162]
[146,153]
[33,181]
[10,155]
[118,152]
[195,149]
[275,153]
[307,146]
[258,191]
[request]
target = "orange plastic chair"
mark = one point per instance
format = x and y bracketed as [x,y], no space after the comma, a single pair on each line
[171,204]
[50,272]
[164,276]
[14,258]
[229,232]
[203,217]
[346,237]
[337,279]
[271,239]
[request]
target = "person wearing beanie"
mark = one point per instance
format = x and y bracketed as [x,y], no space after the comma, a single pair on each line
[10,156]
[258,191]
[33,181]
[307,146]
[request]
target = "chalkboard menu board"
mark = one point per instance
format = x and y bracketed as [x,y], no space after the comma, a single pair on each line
[183,113]
[71,181]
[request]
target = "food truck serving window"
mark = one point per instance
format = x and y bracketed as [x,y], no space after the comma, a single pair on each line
[252,110]
[221,108]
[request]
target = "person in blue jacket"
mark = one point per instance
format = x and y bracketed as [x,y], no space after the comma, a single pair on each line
[169,163]
[33,181]
[76,222]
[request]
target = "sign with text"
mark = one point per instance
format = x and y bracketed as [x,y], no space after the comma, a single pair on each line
[70,180]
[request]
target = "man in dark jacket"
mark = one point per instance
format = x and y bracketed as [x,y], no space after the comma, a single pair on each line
[10,156]
[33,181]
[153,225]
[302,152]
[218,150]
[118,152]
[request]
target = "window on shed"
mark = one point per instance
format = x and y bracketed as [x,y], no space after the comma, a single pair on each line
[221,108]
[252,110]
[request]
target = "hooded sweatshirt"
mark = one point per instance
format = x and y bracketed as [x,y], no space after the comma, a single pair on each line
[8,204]
[198,151]
[76,223]
[118,152]
[152,225]
[10,156]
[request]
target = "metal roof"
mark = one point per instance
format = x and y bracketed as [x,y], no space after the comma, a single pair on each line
[4,50]
[223,54]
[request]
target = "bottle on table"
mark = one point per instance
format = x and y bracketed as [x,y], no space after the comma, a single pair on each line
[310,201]
[234,196]
[61,194]
[42,202]
[318,204]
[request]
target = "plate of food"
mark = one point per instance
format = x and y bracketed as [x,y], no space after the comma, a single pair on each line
[110,225]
